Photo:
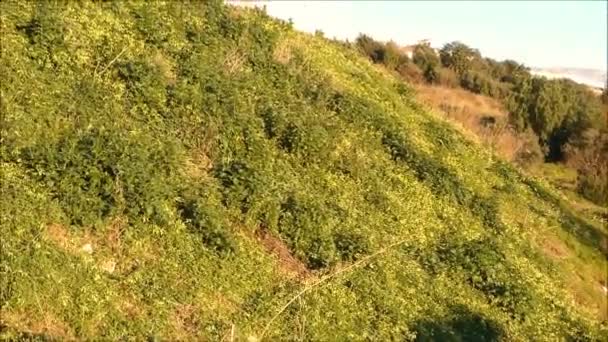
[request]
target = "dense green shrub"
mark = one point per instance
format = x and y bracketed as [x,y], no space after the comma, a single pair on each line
[425,57]
[460,325]
[458,57]
[101,172]
[240,183]
[475,82]
[351,246]
[370,47]
[431,75]
[556,110]
[202,217]
[387,54]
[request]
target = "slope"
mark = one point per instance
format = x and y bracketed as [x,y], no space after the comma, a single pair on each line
[181,171]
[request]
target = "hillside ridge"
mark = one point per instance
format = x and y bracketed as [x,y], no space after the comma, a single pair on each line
[181,171]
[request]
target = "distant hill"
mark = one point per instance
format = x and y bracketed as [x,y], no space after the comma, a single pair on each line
[592,77]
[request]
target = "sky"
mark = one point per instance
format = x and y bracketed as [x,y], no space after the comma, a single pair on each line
[536,33]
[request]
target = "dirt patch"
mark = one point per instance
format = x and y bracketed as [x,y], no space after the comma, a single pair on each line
[555,248]
[288,264]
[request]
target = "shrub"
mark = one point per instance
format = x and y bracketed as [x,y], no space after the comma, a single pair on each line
[410,72]
[202,217]
[424,56]
[351,246]
[592,183]
[431,75]
[239,183]
[370,48]
[458,56]
[529,153]
[97,173]
[589,156]
[480,84]
[391,56]
[387,54]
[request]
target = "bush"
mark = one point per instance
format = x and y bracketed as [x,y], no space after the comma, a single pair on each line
[431,75]
[530,152]
[370,48]
[351,246]
[424,57]
[387,54]
[592,183]
[202,217]
[481,84]
[392,56]
[411,72]
[589,156]
[98,173]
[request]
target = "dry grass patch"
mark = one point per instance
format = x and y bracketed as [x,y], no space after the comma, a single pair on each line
[185,322]
[87,240]
[555,248]
[282,52]
[200,159]
[482,115]
[588,292]
[47,327]
[288,264]
[73,243]
[234,61]
[198,164]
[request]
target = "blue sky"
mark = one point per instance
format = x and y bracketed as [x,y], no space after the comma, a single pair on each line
[537,33]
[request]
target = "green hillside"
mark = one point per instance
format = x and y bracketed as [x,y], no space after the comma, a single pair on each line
[188,171]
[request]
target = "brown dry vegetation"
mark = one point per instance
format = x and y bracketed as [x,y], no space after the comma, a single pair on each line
[482,115]
[282,52]
[233,62]
[288,264]
[47,328]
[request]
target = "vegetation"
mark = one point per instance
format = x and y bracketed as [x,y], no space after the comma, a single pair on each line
[560,113]
[185,171]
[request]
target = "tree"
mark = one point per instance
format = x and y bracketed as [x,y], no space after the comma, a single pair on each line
[391,55]
[458,56]
[425,57]
[370,47]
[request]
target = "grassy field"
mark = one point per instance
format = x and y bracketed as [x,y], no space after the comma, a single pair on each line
[188,171]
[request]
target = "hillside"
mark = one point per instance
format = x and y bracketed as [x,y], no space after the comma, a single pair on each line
[176,171]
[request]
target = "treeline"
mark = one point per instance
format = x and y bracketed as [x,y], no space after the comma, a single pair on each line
[567,119]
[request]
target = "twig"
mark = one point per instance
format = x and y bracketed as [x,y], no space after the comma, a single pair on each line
[326,278]
[111,62]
